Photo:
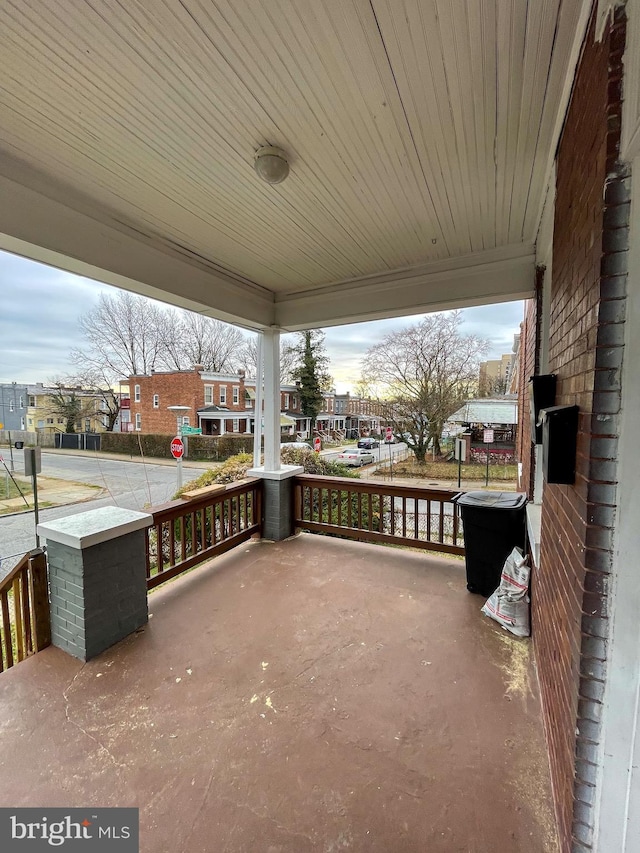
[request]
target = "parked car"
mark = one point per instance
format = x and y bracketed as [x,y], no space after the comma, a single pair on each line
[297,445]
[368,443]
[356,457]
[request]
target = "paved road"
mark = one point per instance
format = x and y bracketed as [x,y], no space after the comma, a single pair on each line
[380,453]
[134,485]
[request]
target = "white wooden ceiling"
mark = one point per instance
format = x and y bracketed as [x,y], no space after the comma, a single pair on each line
[420,135]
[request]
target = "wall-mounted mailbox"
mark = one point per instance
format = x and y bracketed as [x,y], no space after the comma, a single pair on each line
[542,395]
[559,439]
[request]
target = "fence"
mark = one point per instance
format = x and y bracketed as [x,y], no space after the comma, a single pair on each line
[185,533]
[25,626]
[379,512]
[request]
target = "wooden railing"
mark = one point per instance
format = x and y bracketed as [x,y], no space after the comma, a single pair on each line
[25,625]
[185,533]
[379,512]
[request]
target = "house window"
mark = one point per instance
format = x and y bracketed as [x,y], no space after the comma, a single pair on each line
[60,420]
[236,425]
[87,424]
[21,423]
[294,402]
[22,402]
[186,420]
[30,421]
[136,393]
[32,401]
[223,395]
[156,401]
[49,420]
[236,395]
[11,405]
[286,401]
[138,419]
[208,395]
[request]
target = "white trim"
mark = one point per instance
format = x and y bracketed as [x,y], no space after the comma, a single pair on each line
[271,344]
[54,226]
[617,803]
[495,275]
[95,526]
[283,473]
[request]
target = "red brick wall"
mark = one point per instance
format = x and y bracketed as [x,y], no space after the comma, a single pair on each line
[587,311]
[179,388]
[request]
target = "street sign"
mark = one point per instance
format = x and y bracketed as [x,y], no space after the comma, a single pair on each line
[461,450]
[488,436]
[189,430]
[177,447]
[388,435]
[317,445]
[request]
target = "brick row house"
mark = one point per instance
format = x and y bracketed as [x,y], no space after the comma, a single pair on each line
[222,404]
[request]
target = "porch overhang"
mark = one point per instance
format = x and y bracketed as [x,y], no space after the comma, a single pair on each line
[417,178]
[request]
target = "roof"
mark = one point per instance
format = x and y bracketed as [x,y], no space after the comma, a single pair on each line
[487,411]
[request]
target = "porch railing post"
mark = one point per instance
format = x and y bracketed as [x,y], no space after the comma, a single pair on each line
[40,598]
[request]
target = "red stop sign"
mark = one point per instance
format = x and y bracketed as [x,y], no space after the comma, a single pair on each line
[177,447]
[317,444]
[388,434]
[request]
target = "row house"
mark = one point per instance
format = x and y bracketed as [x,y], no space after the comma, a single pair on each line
[220,404]
[346,416]
[39,413]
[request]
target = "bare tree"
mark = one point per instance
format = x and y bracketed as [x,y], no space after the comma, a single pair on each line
[248,356]
[97,382]
[122,335]
[189,338]
[68,403]
[423,374]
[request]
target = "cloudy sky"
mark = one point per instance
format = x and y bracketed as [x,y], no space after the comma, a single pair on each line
[41,307]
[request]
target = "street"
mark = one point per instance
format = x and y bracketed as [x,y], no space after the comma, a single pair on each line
[134,485]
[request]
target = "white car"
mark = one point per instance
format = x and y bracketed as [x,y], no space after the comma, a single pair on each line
[355,457]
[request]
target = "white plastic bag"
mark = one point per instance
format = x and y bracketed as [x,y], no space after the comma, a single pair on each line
[509,604]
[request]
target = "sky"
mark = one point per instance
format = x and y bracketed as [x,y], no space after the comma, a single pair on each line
[40,308]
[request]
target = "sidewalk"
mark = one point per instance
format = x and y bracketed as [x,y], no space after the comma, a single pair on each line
[51,492]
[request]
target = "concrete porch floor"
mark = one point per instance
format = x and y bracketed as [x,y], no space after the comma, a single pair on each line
[309,695]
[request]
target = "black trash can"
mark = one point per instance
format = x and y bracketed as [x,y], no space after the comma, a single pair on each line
[18,445]
[493,524]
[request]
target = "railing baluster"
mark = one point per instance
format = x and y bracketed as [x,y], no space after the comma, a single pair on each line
[6,625]
[17,619]
[366,512]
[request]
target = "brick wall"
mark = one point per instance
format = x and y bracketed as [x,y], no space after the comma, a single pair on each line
[528,361]
[569,608]
[178,388]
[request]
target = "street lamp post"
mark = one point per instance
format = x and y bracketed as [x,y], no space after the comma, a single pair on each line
[179,411]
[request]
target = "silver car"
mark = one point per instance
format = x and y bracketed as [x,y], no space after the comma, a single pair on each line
[355,457]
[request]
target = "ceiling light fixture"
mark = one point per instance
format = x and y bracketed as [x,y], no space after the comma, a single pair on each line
[271,164]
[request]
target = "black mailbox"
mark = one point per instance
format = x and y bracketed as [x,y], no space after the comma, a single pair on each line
[559,439]
[542,395]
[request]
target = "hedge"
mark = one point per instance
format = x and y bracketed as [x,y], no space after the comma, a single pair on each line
[210,448]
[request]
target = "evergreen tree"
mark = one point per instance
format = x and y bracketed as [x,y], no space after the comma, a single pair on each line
[311,372]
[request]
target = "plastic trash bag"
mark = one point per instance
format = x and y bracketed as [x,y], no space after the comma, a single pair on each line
[509,604]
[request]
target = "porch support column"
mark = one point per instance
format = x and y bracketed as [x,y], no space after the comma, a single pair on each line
[278,482]
[271,345]
[97,577]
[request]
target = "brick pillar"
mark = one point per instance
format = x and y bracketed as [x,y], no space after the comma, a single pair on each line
[97,577]
[277,500]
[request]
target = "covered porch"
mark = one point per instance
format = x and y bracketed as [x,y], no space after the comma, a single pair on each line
[305,695]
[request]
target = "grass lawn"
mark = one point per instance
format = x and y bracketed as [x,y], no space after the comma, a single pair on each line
[8,488]
[439,470]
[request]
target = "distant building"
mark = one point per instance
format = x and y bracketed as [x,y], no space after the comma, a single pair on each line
[13,406]
[496,375]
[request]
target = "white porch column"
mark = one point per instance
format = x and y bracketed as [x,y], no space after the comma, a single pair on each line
[257,423]
[278,519]
[271,345]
